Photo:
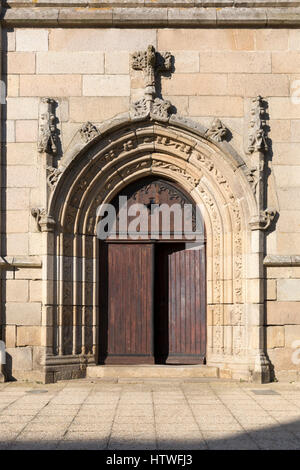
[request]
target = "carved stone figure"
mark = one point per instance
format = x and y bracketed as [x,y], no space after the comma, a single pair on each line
[44,222]
[217,131]
[47,127]
[53,176]
[257,134]
[263,221]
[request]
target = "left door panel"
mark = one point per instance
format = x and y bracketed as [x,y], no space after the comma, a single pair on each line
[126,303]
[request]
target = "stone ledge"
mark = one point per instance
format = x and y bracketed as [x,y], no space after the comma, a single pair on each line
[20,262]
[62,14]
[282,260]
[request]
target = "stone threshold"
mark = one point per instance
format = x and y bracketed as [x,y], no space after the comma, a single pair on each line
[152,371]
[59,15]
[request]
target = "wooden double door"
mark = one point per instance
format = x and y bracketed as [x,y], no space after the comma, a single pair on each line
[152,304]
[152,292]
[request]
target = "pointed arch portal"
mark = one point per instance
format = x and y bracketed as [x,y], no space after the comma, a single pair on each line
[95,170]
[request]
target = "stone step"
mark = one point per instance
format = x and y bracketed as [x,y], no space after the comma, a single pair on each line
[152,371]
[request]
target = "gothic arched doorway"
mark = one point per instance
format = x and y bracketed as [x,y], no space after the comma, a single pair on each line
[152,278]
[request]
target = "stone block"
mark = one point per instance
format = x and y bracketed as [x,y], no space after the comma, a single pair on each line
[22,108]
[181,103]
[295,130]
[50,85]
[20,62]
[103,39]
[116,62]
[271,289]
[291,108]
[273,39]
[288,290]
[235,62]
[292,333]
[280,130]
[20,358]
[16,291]
[216,106]
[281,358]
[33,274]
[31,40]
[8,131]
[205,39]
[17,198]
[17,221]
[283,313]
[21,176]
[286,153]
[12,85]
[21,153]
[195,84]
[254,84]
[28,336]
[275,337]
[286,62]
[27,314]
[107,85]
[26,131]
[97,109]
[69,62]
[10,336]
[17,244]
[186,61]
[287,175]
[289,198]
[11,40]
[35,290]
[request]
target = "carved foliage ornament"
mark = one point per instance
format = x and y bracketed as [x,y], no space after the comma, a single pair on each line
[257,133]
[217,131]
[48,136]
[53,175]
[88,132]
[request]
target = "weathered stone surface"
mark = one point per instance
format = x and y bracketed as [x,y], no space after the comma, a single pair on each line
[107,85]
[215,106]
[236,62]
[20,62]
[195,84]
[69,62]
[22,108]
[21,358]
[23,313]
[288,289]
[28,336]
[97,109]
[50,85]
[275,337]
[31,40]
[26,131]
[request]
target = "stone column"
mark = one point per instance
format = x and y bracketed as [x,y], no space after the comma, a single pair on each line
[2,373]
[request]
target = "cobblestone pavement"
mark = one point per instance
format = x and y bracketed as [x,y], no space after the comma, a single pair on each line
[92,414]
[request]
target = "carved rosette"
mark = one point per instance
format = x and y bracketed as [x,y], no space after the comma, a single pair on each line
[48,135]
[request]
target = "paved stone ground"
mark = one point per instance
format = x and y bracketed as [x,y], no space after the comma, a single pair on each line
[92,414]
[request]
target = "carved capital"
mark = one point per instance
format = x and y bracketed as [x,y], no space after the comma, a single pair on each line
[44,222]
[47,141]
[257,126]
[217,131]
[263,220]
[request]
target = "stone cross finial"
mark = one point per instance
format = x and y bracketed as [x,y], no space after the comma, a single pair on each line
[150,62]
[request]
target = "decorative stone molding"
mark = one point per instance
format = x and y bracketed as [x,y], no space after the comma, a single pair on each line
[150,63]
[263,221]
[257,134]
[47,141]
[44,222]
[10,262]
[88,132]
[217,131]
[53,175]
[282,260]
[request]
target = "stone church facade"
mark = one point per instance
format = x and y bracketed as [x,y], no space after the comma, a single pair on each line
[98,95]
